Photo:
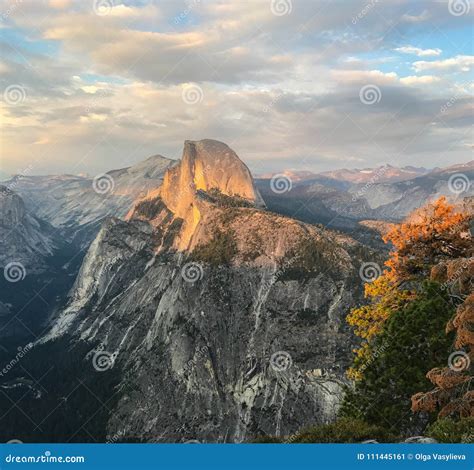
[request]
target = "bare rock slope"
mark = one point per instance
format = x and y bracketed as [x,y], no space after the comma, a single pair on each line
[25,238]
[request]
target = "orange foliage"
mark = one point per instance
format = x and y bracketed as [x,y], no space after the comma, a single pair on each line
[432,233]
[436,232]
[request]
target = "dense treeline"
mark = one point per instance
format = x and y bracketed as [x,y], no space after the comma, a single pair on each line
[410,325]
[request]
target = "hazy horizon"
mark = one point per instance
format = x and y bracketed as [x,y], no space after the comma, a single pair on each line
[28,171]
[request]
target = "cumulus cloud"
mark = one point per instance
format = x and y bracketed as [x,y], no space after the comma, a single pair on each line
[419,52]
[423,80]
[461,63]
[423,16]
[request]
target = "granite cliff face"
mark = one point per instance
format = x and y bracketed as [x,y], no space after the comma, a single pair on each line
[220,320]
[25,238]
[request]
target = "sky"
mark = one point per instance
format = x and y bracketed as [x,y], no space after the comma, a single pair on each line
[93,85]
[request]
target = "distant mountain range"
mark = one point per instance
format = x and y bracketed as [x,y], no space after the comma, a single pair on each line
[341,198]
[383,174]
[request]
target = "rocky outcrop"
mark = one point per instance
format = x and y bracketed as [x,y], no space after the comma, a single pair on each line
[208,165]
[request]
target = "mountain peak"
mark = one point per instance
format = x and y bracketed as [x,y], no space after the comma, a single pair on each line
[12,207]
[214,165]
[206,166]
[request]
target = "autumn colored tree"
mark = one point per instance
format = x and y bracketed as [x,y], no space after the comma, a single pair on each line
[453,394]
[403,326]
[436,232]
[385,298]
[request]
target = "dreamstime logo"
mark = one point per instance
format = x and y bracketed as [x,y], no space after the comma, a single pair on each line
[182,16]
[103,360]
[459,361]
[459,7]
[448,104]
[11,9]
[22,352]
[199,355]
[377,176]
[280,184]
[192,94]
[192,272]
[192,441]
[17,178]
[102,7]
[281,7]
[370,94]
[281,361]
[467,438]
[14,94]
[103,184]
[274,100]
[14,272]
[364,11]
[113,439]
[458,183]
[379,350]
[460,272]
[370,271]
[277,272]
[15,441]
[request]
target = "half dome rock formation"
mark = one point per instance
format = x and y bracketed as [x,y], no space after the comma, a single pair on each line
[218,320]
[207,165]
[207,168]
